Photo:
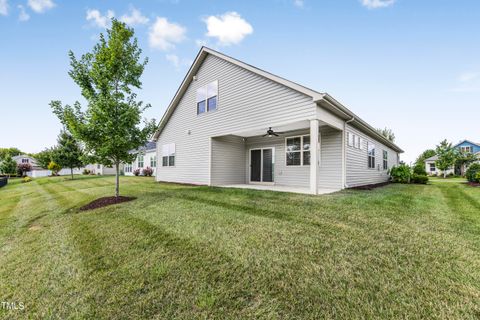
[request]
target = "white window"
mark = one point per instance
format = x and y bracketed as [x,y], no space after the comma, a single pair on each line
[468,149]
[207,97]
[350,138]
[128,167]
[371,155]
[98,166]
[297,150]
[25,160]
[385,160]
[140,161]
[168,155]
[354,141]
[153,161]
[432,167]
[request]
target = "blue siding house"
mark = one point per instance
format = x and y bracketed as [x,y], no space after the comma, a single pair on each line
[465,146]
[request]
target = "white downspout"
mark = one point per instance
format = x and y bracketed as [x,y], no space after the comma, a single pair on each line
[344,151]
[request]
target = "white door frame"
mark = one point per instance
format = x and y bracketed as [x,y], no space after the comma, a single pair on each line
[261,166]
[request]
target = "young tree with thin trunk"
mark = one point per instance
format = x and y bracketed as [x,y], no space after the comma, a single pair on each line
[107,76]
[68,152]
[8,166]
[446,156]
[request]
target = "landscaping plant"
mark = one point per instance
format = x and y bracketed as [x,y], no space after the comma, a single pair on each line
[400,173]
[54,167]
[110,127]
[446,156]
[136,172]
[8,166]
[147,172]
[420,161]
[23,168]
[472,172]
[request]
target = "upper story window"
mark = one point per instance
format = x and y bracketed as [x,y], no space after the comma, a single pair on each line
[207,97]
[153,161]
[140,161]
[298,150]
[466,149]
[354,140]
[385,160]
[168,155]
[25,160]
[371,155]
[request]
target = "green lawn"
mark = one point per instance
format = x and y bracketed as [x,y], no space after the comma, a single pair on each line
[197,252]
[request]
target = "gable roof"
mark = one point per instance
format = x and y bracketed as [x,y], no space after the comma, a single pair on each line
[434,158]
[149,146]
[323,99]
[463,141]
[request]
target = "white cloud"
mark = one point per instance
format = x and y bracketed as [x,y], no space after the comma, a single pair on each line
[201,42]
[164,35]
[135,18]
[468,82]
[97,19]
[229,28]
[298,3]
[468,76]
[177,62]
[40,6]
[3,7]
[23,15]
[374,4]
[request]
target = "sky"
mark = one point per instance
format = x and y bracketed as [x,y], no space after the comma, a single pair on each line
[412,66]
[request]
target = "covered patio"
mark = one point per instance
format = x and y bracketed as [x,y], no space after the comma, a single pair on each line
[286,160]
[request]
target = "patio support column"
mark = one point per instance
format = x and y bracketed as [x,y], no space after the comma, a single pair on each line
[314,125]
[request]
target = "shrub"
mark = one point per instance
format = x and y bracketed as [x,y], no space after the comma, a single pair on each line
[23,168]
[472,172]
[54,167]
[26,179]
[136,172]
[419,170]
[86,172]
[477,177]
[419,178]
[147,172]
[400,174]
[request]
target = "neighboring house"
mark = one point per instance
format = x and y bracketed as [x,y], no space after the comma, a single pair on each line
[216,131]
[146,157]
[38,171]
[463,146]
[100,169]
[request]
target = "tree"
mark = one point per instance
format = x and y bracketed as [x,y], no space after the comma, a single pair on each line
[8,166]
[23,168]
[44,157]
[107,76]
[68,152]
[463,160]
[11,152]
[424,156]
[387,133]
[54,167]
[446,156]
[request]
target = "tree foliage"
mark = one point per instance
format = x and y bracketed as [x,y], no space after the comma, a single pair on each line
[420,161]
[8,166]
[11,152]
[111,125]
[387,133]
[446,156]
[44,157]
[23,168]
[463,160]
[54,167]
[68,152]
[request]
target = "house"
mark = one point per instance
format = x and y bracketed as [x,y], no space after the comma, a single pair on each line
[101,169]
[38,171]
[146,157]
[462,146]
[232,124]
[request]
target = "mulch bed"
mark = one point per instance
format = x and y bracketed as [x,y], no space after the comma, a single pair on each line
[105,201]
[371,186]
[473,184]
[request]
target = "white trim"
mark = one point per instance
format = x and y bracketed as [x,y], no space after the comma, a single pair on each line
[314,133]
[210,141]
[261,166]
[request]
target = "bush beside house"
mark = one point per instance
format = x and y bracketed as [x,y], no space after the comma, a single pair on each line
[404,174]
[473,173]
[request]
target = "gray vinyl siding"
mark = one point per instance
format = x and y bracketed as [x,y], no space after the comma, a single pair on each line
[245,100]
[295,176]
[228,160]
[358,172]
[330,170]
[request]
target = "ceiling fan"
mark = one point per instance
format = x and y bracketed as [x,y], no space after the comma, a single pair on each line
[271,133]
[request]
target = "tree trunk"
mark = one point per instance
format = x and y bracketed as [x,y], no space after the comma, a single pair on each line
[71,171]
[117,179]
[444,174]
